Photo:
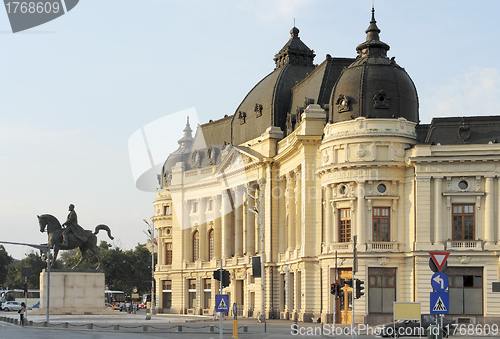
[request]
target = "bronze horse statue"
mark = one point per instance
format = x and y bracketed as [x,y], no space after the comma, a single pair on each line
[55,236]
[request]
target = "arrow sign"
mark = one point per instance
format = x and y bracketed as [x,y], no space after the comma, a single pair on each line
[439,258]
[440,303]
[439,282]
[221,303]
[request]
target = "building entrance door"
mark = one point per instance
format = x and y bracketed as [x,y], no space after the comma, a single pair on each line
[344,303]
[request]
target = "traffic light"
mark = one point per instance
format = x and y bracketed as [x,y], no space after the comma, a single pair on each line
[25,287]
[359,288]
[225,278]
[348,282]
[342,283]
[333,288]
[340,293]
[217,275]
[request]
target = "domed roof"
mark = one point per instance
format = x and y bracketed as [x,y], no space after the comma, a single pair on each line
[374,86]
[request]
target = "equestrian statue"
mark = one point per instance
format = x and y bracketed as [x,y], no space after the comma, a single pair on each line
[72,236]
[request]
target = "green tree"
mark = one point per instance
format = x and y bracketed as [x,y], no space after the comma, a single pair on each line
[32,260]
[5,261]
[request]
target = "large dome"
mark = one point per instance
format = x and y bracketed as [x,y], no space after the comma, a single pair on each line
[374,86]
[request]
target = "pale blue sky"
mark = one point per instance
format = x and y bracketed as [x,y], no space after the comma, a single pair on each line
[73,91]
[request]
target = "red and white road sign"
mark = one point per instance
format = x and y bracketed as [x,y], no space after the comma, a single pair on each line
[439,258]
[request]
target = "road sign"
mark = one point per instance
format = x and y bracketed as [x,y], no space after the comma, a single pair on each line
[439,282]
[440,303]
[434,268]
[222,303]
[439,258]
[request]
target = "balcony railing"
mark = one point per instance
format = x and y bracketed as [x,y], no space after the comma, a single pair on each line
[465,245]
[382,246]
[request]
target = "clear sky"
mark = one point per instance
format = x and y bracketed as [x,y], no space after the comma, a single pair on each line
[73,91]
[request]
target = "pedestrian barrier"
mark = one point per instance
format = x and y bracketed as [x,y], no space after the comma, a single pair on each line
[164,328]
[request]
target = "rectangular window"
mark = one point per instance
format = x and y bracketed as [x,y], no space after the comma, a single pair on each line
[167,293]
[466,290]
[463,222]
[191,293]
[166,210]
[381,290]
[381,224]
[207,293]
[345,225]
[168,253]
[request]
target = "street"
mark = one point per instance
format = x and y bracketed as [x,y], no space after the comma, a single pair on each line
[167,326]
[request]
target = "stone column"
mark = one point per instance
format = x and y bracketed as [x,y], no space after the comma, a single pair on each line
[328,218]
[186,231]
[423,214]
[335,226]
[290,184]
[489,213]
[360,216]
[401,218]
[438,211]
[238,221]
[217,227]
[250,221]
[226,225]
[498,219]
[203,229]
[298,208]
[282,215]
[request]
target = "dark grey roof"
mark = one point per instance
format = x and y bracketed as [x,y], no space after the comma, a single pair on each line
[318,84]
[374,86]
[460,130]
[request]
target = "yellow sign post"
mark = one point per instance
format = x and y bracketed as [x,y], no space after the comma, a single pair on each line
[235,322]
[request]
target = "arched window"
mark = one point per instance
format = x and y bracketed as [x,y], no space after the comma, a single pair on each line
[211,244]
[196,246]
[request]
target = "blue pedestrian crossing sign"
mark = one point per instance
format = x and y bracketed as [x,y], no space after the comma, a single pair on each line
[440,303]
[222,303]
[439,282]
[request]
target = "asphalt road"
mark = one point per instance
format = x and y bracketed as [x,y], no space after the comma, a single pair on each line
[166,326]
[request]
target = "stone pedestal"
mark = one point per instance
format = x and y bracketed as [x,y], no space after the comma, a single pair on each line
[73,292]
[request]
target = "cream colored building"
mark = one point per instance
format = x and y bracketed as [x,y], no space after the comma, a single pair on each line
[331,151]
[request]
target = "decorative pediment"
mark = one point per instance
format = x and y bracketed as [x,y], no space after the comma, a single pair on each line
[236,158]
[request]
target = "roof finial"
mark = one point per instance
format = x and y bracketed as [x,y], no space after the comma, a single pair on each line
[187,130]
[372,31]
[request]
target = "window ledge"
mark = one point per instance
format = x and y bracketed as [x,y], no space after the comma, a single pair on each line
[473,194]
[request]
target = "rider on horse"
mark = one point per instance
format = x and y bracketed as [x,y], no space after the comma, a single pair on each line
[72,226]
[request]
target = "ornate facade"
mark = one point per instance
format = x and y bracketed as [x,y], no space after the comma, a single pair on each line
[331,151]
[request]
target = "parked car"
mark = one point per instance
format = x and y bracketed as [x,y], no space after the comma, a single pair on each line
[415,327]
[12,306]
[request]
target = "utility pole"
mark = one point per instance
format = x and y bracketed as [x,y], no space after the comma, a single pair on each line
[151,234]
[354,270]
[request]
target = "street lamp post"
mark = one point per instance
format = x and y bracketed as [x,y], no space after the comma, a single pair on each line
[151,233]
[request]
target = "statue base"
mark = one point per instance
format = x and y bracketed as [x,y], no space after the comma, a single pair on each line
[72,292]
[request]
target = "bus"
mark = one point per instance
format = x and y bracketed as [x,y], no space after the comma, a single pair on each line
[33,296]
[113,297]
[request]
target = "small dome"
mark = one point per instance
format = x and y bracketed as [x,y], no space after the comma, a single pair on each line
[374,86]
